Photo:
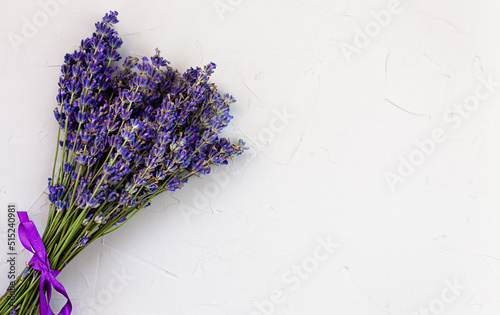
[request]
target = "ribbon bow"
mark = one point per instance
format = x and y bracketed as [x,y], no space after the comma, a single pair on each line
[31,240]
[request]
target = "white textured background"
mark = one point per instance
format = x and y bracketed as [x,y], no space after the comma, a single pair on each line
[329,115]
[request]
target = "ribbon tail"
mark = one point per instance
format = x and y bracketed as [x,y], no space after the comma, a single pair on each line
[44,307]
[66,309]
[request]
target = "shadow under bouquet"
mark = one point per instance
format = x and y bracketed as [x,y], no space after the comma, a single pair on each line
[126,134]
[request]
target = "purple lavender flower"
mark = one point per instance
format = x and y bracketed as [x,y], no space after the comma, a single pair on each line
[131,132]
[83,241]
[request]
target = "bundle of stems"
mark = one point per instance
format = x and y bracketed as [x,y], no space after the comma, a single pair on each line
[126,134]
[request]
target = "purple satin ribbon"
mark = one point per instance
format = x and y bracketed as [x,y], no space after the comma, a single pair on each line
[31,240]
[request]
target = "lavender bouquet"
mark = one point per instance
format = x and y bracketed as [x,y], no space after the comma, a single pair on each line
[126,135]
